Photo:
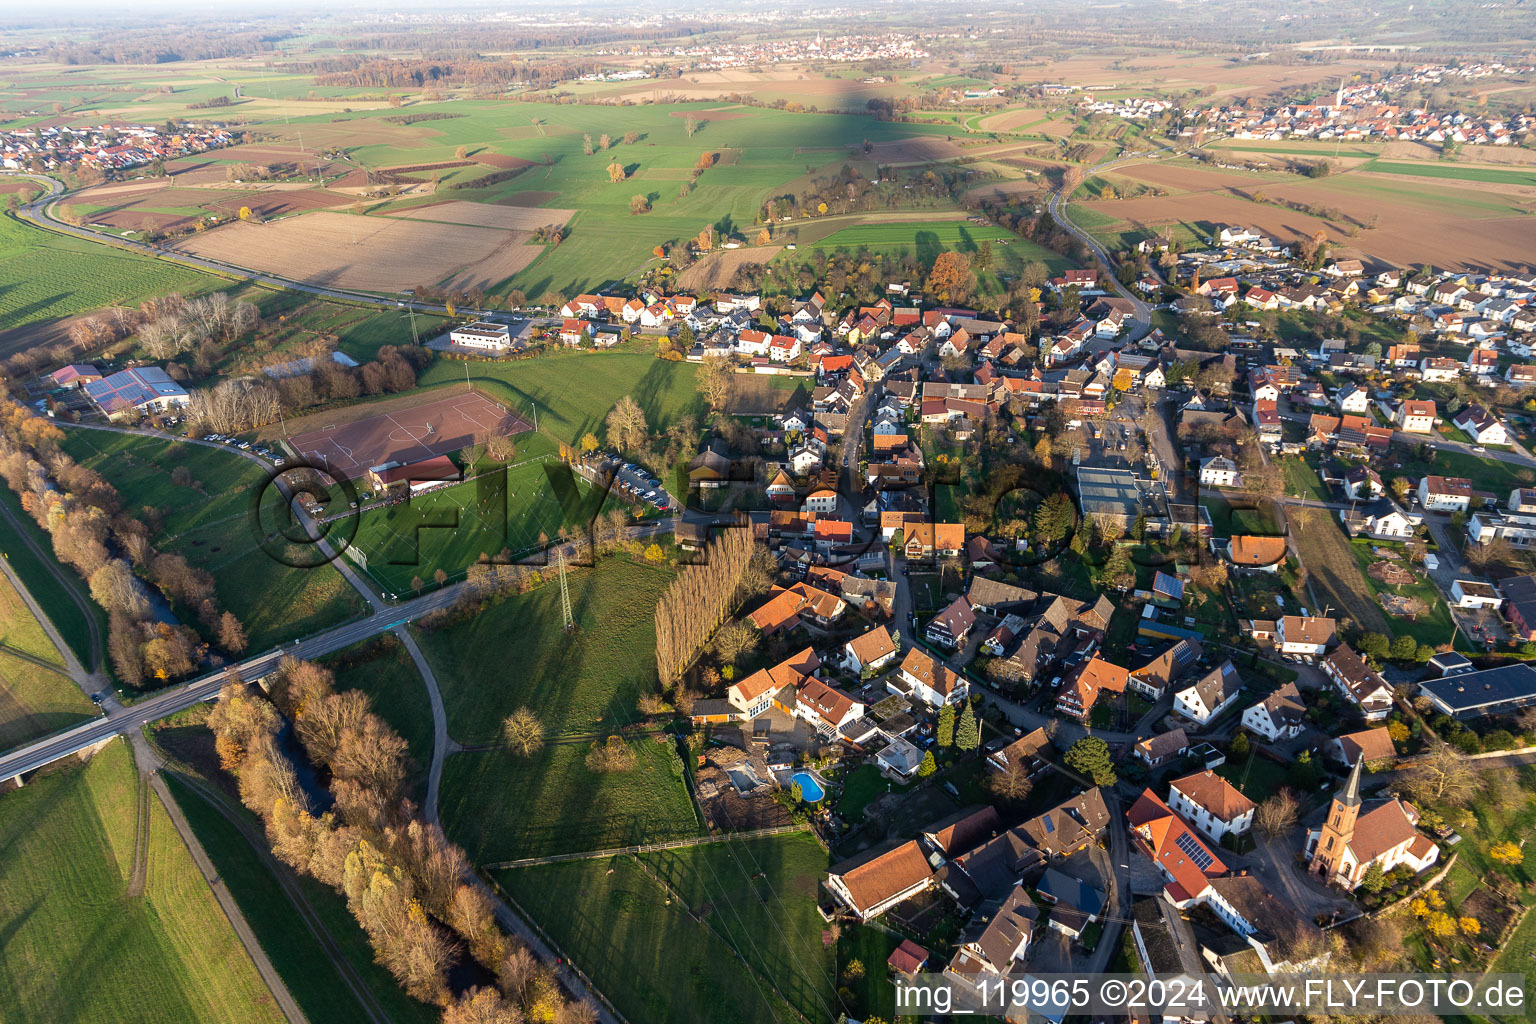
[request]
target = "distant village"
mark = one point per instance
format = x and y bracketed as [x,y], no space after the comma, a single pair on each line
[104,146]
[1366,111]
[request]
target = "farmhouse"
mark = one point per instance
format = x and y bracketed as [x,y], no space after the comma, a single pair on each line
[878,879]
[1211,803]
[757,692]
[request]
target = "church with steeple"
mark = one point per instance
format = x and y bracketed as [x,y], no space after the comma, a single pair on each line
[1358,833]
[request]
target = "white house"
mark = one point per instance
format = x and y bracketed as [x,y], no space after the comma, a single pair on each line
[1475,594]
[829,710]
[929,680]
[1311,635]
[1209,695]
[1445,493]
[1481,425]
[1280,716]
[872,650]
[1358,682]
[822,502]
[1212,804]
[1353,399]
[1415,417]
[1219,471]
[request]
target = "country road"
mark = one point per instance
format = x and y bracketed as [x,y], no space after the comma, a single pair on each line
[39,213]
[1141,322]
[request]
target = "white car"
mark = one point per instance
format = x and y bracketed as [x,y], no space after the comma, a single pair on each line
[1479,449]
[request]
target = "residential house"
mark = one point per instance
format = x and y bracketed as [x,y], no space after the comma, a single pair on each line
[1074,903]
[952,626]
[1161,748]
[1205,699]
[1381,520]
[1164,668]
[1212,804]
[1371,746]
[1358,682]
[1445,494]
[1027,753]
[1439,370]
[872,650]
[988,958]
[928,679]
[1280,716]
[1185,862]
[1481,425]
[756,693]
[1415,417]
[1307,635]
[1354,399]
[1523,375]
[1475,594]
[828,709]
[1082,689]
[1264,554]
[1220,471]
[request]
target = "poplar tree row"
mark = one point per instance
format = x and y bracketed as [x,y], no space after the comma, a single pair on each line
[698,601]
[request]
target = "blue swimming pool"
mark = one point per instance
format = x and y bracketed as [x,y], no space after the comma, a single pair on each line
[810,789]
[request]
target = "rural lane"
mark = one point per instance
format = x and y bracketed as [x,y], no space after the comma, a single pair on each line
[1141,321]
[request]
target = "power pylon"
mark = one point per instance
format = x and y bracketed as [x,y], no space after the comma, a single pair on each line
[565,592]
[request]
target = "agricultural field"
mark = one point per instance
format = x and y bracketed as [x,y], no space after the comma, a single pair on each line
[51,277]
[161,955]
[207,521]
[581,687]
[650,929]
[1477,216]
[926,239]
[580,684]
[758,151]
[1333,572]
[501,808]
[573,391]
[35,699]
[298,956]
[370,254]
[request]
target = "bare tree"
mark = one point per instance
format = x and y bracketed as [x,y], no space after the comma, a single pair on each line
[1277,815]
[1012,784]
[1441,776]
[524,733]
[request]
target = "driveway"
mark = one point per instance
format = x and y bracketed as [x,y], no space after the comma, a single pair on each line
[1274,863]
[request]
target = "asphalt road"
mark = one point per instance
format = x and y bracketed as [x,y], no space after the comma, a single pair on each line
[1141,322]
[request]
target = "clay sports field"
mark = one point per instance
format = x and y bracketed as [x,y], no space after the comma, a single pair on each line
[407,435]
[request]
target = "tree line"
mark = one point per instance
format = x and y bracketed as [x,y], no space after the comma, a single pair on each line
[698,601]
[408,886]
[113,552]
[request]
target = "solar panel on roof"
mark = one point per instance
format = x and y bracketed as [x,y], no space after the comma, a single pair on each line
[1050,826]
[1194,850]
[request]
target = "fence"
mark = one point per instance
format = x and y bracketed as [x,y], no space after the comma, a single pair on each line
[668,844]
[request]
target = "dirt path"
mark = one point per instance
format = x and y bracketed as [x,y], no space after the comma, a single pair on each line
[442,745]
